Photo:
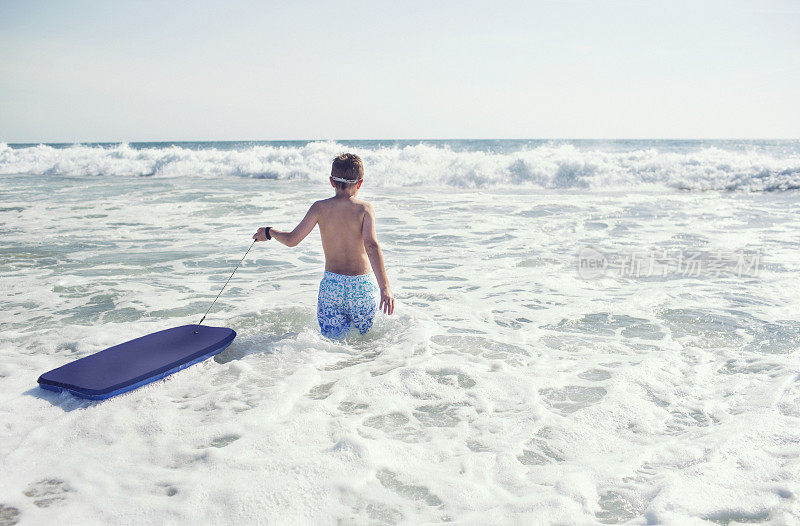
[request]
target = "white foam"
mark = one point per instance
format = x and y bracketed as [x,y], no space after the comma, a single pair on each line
[506,389]
[546,166]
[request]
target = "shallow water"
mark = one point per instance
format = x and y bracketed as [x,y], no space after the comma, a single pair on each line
[506,389]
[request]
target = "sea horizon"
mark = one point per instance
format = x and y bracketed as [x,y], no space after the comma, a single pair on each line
[401,140]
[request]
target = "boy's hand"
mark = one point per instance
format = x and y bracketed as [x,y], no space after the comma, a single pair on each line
[387,301]
[261,235]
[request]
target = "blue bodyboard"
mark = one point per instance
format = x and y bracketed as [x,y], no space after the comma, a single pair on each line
[134,363]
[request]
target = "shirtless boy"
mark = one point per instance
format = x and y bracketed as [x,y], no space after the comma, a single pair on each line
[347,294]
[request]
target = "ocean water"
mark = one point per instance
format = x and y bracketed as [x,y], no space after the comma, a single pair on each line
[586,332]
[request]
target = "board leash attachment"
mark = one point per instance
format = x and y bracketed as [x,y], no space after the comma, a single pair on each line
[226,284]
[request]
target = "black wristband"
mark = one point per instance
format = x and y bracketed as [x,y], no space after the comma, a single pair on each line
[266,232]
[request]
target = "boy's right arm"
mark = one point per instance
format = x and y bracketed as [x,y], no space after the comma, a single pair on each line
[375,256]
[291,239]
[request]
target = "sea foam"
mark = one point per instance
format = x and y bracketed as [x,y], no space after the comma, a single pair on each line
[507,388]
[545,165]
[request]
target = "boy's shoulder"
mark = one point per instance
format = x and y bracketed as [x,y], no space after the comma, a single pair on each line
[331,202]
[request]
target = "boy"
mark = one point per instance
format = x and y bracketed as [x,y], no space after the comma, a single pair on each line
[347,295]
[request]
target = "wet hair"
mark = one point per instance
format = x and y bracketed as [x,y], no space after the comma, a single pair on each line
[347,166]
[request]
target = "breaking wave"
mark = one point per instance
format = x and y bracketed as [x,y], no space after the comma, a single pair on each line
[547,165]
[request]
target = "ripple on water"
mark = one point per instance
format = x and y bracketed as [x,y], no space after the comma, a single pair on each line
[395,425]
[451,377]
[617,506]
[375,511]
[571,398]
[480,346]
[390,481]
[781,337]
[90,312]
[595,375]
[751,366]
[706,329]
[358,359]
[353,408]
[9,515]
[321,391]
[477,446]
[607,324]
[48,492]
[224,440]
[683,420]
[387,421]
[539,453]
[438,415]
[789,403]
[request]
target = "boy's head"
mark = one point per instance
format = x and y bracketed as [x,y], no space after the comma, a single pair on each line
[347,173]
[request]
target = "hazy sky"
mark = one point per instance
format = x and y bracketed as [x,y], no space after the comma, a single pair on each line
[116,70]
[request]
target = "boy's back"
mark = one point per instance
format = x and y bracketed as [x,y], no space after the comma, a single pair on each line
[341,222]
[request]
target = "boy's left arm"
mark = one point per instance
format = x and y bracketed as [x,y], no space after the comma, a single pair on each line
[291,239]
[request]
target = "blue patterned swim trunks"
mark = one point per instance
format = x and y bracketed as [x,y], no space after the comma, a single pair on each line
[345,301]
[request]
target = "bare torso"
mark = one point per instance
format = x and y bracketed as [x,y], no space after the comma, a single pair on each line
[340,221]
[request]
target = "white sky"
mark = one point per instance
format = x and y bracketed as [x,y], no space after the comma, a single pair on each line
[199,70]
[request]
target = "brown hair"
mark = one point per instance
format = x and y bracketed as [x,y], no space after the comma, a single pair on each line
[347,166]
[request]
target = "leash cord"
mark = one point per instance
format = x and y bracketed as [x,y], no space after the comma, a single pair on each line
[226,283]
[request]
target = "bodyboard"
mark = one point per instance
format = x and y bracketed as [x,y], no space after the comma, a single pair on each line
[137,362]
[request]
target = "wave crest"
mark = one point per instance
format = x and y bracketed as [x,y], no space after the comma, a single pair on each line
[546,166]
